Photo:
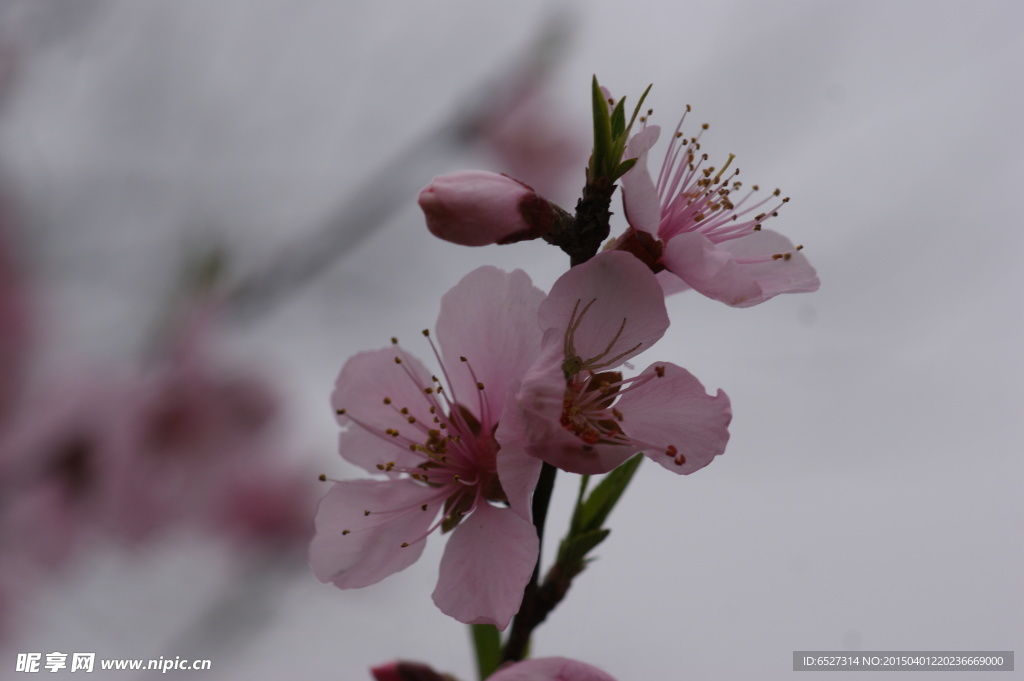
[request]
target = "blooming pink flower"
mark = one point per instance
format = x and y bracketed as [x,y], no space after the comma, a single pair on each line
[549,669]
[478,208]
[578,412]
[691,224]
[437,450]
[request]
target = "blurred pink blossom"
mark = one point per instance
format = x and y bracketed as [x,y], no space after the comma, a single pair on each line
[536,142]
[61,460]
[15,326]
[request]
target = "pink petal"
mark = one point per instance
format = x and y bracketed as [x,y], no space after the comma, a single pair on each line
[670,283]
[639,195]
[486,566]
[627,302]
[517,470]
[674,411]
[719,271]
[490,318]
[364,382]
[550,669]
[372,548]
[709,269]
[787,275]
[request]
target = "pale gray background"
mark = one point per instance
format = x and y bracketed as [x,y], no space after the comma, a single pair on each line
[870,497]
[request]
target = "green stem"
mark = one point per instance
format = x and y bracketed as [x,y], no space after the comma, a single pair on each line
[487,646]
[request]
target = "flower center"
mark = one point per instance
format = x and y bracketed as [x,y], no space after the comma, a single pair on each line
[699,198]
[456,449]
[573,364]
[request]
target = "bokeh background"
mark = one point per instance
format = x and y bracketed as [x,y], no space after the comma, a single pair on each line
[870,498]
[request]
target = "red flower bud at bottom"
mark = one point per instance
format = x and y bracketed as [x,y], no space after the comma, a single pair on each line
[406,671]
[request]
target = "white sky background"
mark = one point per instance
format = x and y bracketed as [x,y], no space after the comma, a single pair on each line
[870,497]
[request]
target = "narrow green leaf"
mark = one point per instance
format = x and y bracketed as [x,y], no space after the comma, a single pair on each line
[636,111]
[602,133]
[573,551]
[487,645]
[594,511]
[574,523]
[624,168]
[619,118]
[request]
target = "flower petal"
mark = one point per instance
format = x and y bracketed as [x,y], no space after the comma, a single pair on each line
[719,271]
[362,386]
[673,411]
[354,549]
[550,669]
[628,308]
[792,274]
[639,195]
[486,566]
[490,318]
[517,471]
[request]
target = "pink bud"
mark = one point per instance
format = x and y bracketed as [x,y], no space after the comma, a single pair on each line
[477,208]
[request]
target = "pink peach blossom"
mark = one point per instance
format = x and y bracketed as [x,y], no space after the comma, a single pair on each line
[577,411]
[436,449]
[690,224]
[549,669]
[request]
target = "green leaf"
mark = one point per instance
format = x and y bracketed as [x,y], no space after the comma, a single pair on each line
[602,132]
[487,645]
[636,111]
[574,527]
[619,119]
[573,551]
[594,511]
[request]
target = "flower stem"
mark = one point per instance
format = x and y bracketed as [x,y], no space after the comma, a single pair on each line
[535,608]
[487,646]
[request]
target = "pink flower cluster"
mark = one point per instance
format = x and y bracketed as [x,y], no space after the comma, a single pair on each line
[121,456]
[526,380]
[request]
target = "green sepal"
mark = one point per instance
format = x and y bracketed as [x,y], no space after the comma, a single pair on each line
[611,134]
[602,133]
[624,168]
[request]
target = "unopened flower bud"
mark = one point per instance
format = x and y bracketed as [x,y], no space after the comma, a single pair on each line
[477,208]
